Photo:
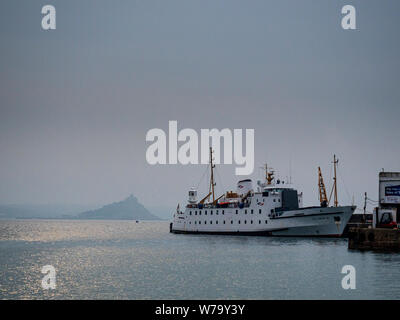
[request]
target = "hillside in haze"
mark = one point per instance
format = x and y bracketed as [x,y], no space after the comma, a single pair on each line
[127,209]
[41,211]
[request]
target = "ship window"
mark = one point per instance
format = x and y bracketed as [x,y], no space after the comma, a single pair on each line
[251,221]
[211,212]
[279,200]
[259,211]
[199,222]
[216,222]
[224,221]
[274,200]
[205,222]
[231,221]
[259,221]
[245,211]
[205,212]
[210,222]
[266,221]
[239,221]
[190,212]
[200,213]
[195,222]
[272,210]
[245,221]
[190,222]
[252,211]
[216,212]
[223,211]
[195,213]
[236,212]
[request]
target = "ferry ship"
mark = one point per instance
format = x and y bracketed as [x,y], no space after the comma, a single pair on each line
[273,209]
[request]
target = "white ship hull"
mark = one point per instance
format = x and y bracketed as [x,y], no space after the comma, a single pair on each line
[275,209]
[303,222]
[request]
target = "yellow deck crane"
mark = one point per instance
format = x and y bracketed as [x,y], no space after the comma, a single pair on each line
[322,191]
[205,198]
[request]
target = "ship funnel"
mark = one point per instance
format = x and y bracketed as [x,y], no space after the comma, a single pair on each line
[244,186]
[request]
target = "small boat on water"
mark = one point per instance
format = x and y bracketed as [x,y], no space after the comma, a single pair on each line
[273,209]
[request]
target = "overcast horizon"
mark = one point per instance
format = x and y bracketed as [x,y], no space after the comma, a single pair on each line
[77,102]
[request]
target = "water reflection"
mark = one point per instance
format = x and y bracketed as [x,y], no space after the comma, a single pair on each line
[126,260]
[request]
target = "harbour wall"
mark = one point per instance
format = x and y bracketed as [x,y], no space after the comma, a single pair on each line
[374,239]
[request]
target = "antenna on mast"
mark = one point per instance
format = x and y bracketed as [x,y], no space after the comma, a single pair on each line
[334,187]
[212,183]
[335,162]
[266,171]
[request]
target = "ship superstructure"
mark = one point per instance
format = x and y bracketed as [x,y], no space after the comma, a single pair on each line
[274,209]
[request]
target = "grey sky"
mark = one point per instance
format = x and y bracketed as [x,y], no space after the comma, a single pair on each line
[76,103]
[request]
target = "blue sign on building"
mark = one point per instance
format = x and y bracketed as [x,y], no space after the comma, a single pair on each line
[392,191]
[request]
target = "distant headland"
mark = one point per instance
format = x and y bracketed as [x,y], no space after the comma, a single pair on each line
[128,209]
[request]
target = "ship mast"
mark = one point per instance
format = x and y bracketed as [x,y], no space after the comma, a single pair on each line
[266,171]
[335,161]
[334,187]
[212,183]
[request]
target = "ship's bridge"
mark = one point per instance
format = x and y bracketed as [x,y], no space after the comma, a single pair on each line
[278,188]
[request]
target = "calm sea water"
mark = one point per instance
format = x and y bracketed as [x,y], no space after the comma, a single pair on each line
[129,260]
